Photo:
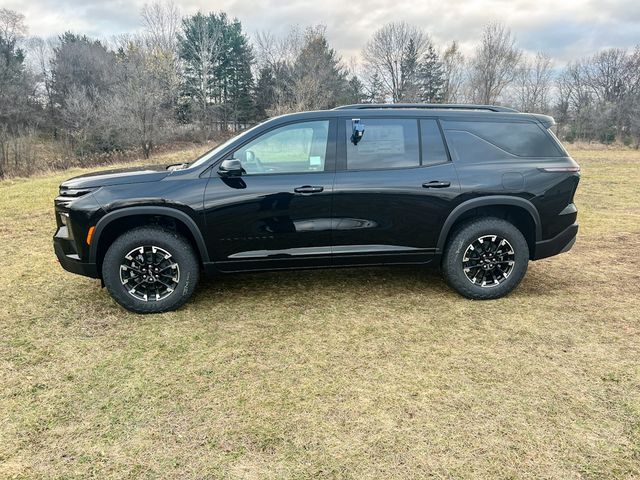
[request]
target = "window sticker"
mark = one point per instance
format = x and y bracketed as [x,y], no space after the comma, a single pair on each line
[315,162]
[382,139]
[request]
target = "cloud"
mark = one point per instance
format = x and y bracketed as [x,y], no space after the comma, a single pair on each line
[565,30]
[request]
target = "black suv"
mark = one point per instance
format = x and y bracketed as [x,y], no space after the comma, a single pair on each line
[478,190]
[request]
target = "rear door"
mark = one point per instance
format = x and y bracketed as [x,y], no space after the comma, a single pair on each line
[392,192]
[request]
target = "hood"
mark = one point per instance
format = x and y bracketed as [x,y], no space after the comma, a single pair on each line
[151,173]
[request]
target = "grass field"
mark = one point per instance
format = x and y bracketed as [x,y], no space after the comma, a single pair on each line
[371,373]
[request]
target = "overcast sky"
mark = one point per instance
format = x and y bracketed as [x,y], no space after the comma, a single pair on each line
[565,29]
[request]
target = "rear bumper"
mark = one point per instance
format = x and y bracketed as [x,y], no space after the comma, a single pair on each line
[559,244]
[71,262]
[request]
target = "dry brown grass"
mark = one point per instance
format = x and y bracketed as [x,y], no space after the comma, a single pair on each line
[371,373]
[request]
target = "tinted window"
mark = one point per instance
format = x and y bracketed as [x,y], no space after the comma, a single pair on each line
[465,146]
[387,143]
[433,150]
[299,147]
[517,138]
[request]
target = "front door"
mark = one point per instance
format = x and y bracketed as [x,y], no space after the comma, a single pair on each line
[278,213]
[393,190]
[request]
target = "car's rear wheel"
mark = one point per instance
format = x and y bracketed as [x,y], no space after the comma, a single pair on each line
[485,258]
[150,270]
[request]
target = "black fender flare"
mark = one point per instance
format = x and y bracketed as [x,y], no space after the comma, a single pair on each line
[489,201]
[148,210]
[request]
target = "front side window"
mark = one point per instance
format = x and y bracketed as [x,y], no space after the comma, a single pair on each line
[386,143]
[294,148]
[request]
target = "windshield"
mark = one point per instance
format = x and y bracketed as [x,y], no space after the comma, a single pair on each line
[213,152]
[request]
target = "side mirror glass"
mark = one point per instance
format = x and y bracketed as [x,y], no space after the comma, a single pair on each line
[231,167]
[357,131]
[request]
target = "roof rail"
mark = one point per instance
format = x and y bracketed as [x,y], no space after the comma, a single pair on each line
[426,106]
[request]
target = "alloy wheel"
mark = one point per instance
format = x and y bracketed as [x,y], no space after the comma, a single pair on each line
[488,261]
[149,273]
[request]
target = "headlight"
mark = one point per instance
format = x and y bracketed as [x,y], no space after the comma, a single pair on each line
[75,192]
[64,217]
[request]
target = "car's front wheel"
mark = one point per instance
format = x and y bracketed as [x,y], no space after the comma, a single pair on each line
[485,258]
[150,270]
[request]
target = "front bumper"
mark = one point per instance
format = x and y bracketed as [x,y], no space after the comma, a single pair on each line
[69,259]
[559,244]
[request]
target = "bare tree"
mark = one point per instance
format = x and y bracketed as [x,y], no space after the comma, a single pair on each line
[161,22]
[273,50]
[634,120]
[533,83]
[142,91]
[385,54]
[609,74]
[598,94]
[78,117]
[575,101]
[494,65]
[453,69]
[40,53]
[277,55]
[12,26]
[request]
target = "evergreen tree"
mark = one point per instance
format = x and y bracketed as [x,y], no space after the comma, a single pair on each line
[320,81]
[218,60]
[431,77]
[375,90]
[16,86]
[236,76]
[410,89]
[355,92]
[200,48]
[265,92]
[81,63]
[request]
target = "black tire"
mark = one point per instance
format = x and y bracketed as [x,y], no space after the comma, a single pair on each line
[181,254]
[492,231]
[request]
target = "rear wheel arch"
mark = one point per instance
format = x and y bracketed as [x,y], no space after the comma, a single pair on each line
[518,211]
[114,224]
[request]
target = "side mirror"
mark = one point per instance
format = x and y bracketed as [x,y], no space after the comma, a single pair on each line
[357,131]
[231,167]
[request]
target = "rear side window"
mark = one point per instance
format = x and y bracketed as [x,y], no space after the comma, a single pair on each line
[433,150]
[522,139]
[387,143]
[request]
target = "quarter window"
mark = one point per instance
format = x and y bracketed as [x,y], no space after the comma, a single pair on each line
[295,148]
[522,139]
[433,150]
[387,143]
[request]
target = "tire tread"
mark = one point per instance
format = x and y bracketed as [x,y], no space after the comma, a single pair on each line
[162,237]
[459,240]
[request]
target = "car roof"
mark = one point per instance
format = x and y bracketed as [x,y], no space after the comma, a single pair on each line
[426,106]
[449,111]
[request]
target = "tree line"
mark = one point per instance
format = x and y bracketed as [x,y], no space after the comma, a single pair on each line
[197,77]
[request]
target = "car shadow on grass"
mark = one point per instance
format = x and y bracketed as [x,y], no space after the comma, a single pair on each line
[335,283]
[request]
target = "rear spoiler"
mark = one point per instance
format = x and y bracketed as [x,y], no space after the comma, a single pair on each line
[545,120]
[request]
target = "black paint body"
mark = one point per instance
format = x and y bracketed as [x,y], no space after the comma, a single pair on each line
[361,217]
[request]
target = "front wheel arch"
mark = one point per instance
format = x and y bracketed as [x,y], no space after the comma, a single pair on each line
[115,223]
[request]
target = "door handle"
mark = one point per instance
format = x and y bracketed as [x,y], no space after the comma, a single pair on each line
[308,189]
[436,184]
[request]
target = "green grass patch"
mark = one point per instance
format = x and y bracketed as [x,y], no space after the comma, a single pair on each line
[369,373]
